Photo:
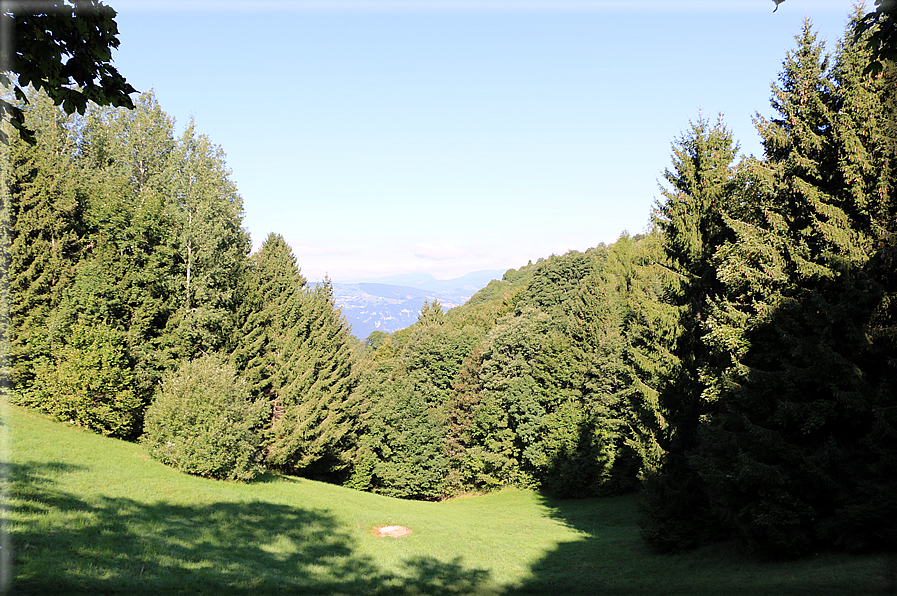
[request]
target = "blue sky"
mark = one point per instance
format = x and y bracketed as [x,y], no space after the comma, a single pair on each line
[453,136]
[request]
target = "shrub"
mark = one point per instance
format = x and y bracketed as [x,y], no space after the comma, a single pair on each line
[204,422]
[90,383]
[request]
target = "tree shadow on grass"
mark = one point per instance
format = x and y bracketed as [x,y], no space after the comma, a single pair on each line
[64,545]
[611,559]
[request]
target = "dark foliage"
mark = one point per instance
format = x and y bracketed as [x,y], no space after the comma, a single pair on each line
[63,47]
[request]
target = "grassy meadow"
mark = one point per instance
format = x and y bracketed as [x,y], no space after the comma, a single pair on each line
[89,515]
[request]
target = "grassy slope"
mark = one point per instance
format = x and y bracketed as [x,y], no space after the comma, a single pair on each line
[95,515]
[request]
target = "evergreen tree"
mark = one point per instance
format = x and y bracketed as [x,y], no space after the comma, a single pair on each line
[295,354]
[794,457]
[431,313]
[464,468]
[45,207]
[866,136]
[313,419]
[676,511]
[272,290]
[121,280]
[96,221]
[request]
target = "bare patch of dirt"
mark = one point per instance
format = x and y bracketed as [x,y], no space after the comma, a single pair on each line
[394,531]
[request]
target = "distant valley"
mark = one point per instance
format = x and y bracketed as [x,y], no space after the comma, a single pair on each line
[391,303]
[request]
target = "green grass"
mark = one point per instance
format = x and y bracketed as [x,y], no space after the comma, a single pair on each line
[93,515]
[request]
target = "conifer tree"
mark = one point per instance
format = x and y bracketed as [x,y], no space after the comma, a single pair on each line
[97,210]
[431,313]
[45,209]
[295,354]
[676,512]
[867,156]
[461,409]
[122,279]
[310,429]
[272,289]
[793,453]
[89,337]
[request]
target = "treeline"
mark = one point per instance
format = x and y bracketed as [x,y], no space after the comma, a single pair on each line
[737,364]
[127,264]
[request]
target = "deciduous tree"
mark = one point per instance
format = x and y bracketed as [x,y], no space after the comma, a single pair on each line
[63,47]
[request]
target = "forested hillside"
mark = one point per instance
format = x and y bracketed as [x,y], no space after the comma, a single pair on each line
[127,261]
[737,364]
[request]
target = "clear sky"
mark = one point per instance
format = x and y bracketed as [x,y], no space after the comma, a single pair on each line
[453,136]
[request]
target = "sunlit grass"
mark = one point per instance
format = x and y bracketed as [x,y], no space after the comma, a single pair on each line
[96,515]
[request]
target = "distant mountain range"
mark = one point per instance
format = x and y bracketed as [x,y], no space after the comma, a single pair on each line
[391,303]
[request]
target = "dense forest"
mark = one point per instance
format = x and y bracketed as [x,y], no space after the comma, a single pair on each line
[736,364]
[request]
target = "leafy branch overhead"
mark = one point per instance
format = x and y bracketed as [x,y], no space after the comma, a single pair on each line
[63,47]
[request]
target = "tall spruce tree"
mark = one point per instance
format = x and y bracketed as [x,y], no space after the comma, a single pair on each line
[314,416]
[676,511]
[295,353]
[794,457]
[270,297]
[45,208]
[867,153]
